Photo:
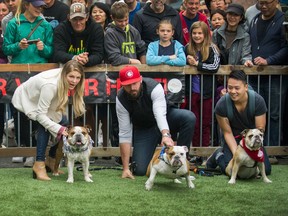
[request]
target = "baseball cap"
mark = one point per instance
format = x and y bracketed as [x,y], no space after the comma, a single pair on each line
[235,8]
[78,10]
[129,74]
[36,3]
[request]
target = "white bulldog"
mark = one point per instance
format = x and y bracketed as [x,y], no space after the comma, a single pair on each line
[77,147]
[248,158]
[170,162]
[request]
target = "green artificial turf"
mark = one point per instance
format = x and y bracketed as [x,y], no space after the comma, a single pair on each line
[111,195]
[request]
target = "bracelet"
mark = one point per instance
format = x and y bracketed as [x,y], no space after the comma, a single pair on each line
[166,135]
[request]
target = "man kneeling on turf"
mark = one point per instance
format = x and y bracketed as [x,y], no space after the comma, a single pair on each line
[142,111]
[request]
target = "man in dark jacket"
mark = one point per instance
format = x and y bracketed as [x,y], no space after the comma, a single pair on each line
[146,20]
[269,47]
[79,38]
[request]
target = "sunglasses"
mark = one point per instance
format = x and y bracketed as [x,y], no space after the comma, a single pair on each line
[206,11]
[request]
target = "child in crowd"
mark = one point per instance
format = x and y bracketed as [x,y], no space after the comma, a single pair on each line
[122,42]
[203,54]
[165,50]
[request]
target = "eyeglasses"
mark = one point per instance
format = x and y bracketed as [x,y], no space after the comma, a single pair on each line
[206,11]
[262,3]
[216,1]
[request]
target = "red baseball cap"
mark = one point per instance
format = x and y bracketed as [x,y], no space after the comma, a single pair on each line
[129,74]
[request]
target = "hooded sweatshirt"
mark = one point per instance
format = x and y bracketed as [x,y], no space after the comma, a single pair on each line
[68,43]
[121,45]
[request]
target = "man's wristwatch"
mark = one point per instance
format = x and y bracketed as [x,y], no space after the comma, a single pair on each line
[166,135]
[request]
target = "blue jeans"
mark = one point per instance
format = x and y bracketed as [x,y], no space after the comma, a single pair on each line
[274,118]
[145,140]
[42,141]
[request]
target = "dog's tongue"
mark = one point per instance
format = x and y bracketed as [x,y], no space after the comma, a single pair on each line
[78,143]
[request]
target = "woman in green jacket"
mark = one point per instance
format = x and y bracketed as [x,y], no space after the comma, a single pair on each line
[16,38]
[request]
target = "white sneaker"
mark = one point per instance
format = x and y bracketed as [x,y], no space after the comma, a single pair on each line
[17,159]
[29,162]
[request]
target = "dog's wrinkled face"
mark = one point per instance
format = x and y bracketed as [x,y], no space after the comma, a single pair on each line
[253,138]
[78,137]
[176,155]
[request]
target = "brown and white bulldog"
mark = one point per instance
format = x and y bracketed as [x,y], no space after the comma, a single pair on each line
[170,162]
[76,147]
[248,158]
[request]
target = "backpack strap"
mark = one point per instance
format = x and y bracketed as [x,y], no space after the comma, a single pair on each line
[251,100]
[229,107]
[251,105]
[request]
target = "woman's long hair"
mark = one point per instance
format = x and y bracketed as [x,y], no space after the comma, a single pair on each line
[63,89]
[20,9]
[192,48]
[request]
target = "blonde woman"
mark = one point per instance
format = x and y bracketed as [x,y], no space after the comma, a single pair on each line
[44,99]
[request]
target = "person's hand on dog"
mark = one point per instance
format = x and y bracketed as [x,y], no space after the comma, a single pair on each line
[65,132]
[127,174]
[167,141]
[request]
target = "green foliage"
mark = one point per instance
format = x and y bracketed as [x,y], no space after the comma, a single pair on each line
[111,195]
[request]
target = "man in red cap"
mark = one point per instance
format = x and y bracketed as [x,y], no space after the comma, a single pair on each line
[143,112]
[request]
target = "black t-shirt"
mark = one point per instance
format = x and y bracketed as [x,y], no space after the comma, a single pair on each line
[166,51]
[262,26]
[241,121]
[56,13]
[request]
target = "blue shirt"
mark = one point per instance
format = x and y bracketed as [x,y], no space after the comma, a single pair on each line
[132,13]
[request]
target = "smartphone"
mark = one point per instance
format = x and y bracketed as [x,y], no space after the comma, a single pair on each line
[32,41]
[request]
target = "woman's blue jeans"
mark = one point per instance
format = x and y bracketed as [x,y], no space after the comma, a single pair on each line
[42,141]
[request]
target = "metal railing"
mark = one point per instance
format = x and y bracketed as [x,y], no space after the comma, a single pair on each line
[259,71]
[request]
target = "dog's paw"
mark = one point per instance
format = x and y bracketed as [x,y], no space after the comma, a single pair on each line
[266,180]
[89,175]
[148,185]
[191,185]
[87,179]
[232,181]
[70,180]
[177,181]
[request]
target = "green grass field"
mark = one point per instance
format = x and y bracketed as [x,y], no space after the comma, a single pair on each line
[111,195]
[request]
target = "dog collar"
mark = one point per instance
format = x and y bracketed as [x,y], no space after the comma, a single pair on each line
[161,157]
[68,149]
[257,155]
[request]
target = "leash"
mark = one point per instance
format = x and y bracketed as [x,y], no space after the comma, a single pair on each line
[206,171]
[132,167]
[80,168]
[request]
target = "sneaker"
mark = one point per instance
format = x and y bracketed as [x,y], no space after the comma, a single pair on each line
[211,162]
[197,160]
[17,159]
[29,162]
